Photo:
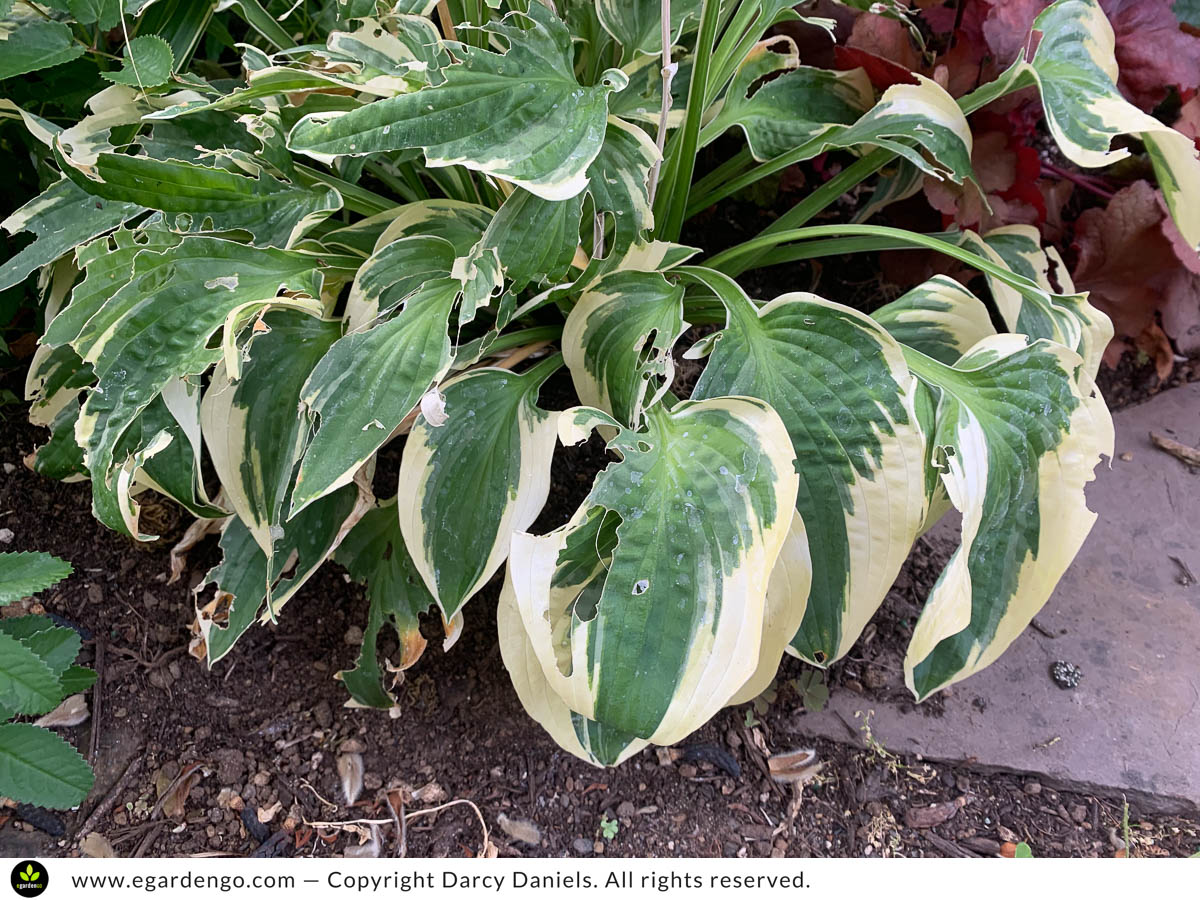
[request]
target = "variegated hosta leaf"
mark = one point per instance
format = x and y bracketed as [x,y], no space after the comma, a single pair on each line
[374,553]
[618,183]
[581,737]
[251,427]
[839,381]
[1017,438]
[792,109]
[159,326]
[366,384]
[941,318]
[520,115]
[1063,316]
[645,611]
[494,446]
[637,24]
[409,53]
[1076,69]
[458,222]
[60,218]
[617,342]
[923,113]
[204,198]
[249,577]
[393,272]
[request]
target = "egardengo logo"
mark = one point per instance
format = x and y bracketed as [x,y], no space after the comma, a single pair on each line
[29,878]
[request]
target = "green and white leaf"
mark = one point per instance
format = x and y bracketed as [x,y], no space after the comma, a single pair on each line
[251,579]
[159,327]
[645,611]
[26,573]
[374,553]
[39,767]
[617,342]
[637,24]
[1066,316]
[392,273]
[251,427]
[367,383]
[790,110]
[940,318]
[204,198]
[1017,439]
[60,218]
[584,738]
[839,381]
[494,444]
[519,115]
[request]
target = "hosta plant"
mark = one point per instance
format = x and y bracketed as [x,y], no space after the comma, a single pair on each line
[36,672]
[396,231]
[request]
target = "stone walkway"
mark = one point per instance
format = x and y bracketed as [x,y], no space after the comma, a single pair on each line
[1126,613]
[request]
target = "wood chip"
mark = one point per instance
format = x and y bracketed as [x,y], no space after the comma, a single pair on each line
[1182,452]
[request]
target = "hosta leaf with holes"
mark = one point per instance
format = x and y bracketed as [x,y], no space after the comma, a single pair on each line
[411,51]
[253,434]
[60,218]
[159,326]
[839,381]
[250,579]
[618,338]
[617,183]
[204,198]
[1017,439]
[175,470]
[582,737]
[496,446]
[791,109]
[646,610]
[637,24]
[1063,316]
[27,685]
[393,272]
[148,63]
[941,318]
[24,574]
[37,766]
[368,382]
[374,552]
[520,115]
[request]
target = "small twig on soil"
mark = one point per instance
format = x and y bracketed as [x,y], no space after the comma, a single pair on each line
[150,838]
[1041,629]
[1182,452]
[110,799]
[158,662]
[97,702]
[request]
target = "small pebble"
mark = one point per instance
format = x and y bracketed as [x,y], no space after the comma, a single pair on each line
[582,846]
[1033,788]
[6,535]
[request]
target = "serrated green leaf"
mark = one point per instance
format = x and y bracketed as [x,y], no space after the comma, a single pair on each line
[495,443]
[520,115]
[374,553]
[148,61]
[39,767]
[28,686]
[24,574]
[1017,440]
[839,381]
[646,610]
[76,679]
[104,14]
[367,383]
[60,218]
[54,645]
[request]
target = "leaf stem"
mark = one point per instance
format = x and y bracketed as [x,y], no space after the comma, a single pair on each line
[668,75]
